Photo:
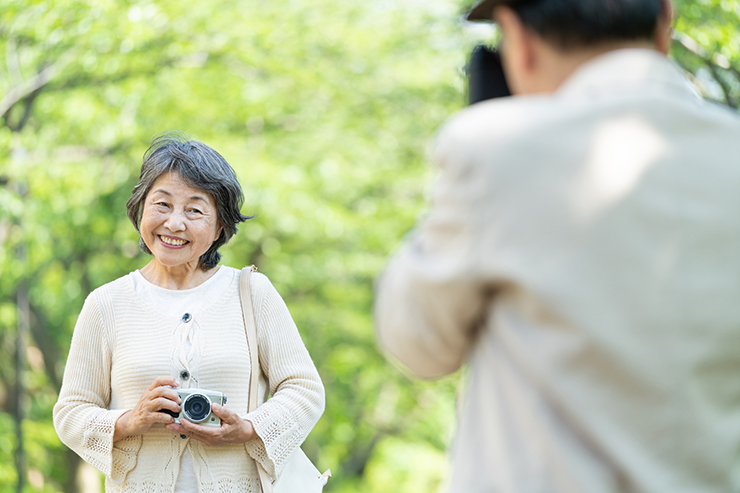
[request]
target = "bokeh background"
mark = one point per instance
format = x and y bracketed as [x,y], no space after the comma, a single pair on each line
[325,109]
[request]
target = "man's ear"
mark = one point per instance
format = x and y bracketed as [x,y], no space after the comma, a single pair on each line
[664,27]
[518,52]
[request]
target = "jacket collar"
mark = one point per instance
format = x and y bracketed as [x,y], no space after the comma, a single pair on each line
[627,69]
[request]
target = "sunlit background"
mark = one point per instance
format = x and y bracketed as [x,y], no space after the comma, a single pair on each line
[324,108]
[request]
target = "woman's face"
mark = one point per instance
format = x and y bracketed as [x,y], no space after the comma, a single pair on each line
[179,223]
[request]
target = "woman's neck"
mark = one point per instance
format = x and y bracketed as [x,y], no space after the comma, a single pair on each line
[183,276]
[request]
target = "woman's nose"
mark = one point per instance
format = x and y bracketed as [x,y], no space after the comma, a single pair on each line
[175,222]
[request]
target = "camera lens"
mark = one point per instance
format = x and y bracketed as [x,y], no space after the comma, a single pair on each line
[197,407]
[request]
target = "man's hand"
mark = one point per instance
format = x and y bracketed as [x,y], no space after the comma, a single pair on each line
[233,428]
[140,419]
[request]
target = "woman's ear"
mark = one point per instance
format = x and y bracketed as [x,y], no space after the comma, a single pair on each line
[518,53]
[664,28]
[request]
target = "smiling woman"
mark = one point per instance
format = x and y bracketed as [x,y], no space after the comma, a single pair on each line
[178,226]
[174,329]
[198,172]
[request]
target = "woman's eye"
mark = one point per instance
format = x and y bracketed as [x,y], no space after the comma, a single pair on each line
[195,211]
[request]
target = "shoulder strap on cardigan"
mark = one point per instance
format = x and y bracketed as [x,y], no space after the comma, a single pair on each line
[250,326]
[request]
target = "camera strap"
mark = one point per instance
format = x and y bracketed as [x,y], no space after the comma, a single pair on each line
[250,326]
[298,475]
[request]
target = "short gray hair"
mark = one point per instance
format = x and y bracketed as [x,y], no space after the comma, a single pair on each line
[200,167]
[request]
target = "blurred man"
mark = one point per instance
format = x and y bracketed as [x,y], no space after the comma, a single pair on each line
[582,255]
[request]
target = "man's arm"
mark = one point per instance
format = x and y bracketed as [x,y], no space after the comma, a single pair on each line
[431,298]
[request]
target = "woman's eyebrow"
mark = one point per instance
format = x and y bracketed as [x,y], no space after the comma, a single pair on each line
[165,192]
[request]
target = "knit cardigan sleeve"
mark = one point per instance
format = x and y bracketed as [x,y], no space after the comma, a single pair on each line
[81,415]
[284,421]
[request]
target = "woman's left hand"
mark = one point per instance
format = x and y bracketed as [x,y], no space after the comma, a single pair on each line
[233,428]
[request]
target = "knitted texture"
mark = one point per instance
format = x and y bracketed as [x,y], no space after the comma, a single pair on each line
[120,345]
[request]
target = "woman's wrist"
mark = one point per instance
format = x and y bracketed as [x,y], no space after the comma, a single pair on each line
[249,432]
[121,428]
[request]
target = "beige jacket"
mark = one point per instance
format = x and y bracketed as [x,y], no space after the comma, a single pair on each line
[582,254]
[120,345]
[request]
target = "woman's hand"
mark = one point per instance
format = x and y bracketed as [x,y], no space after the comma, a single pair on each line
[233,428]
[140,419]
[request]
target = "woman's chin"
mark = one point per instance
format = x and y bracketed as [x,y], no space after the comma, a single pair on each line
[168,262]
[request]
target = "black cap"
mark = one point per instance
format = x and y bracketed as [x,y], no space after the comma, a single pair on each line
[484,10]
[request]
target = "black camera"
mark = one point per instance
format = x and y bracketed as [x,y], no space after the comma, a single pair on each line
[486,77]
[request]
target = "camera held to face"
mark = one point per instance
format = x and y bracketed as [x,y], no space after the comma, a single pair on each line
[196,406]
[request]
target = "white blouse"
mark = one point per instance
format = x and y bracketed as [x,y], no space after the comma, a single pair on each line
[173,303]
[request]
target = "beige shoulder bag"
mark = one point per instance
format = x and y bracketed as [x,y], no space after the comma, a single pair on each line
[299,475]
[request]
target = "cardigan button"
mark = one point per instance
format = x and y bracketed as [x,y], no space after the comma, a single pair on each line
[183,436]
[187,318]
[184,374]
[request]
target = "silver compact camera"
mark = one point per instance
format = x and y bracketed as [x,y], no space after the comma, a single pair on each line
[196,406]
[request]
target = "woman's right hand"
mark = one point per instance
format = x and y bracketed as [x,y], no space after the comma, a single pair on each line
[140,419]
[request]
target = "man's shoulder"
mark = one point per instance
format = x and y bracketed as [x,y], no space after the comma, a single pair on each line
[515,124]
[498,127]
[508,117]
[504,118]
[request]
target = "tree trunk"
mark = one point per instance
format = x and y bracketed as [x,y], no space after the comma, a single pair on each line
[72,461]
[24,319]
[23,316]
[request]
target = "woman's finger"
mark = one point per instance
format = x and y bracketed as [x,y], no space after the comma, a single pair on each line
[159,403]
[226,415]
[207,434]
[162,381]
[196,429]
[157,417]
[177,428]
[165,392]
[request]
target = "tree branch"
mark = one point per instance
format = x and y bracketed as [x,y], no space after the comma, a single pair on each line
[13,63]
[35,83]
[690,44]
[717,59]
[713,61]
[726,90]
[27,106]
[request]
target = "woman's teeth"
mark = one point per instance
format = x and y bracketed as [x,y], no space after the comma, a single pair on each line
[172,241]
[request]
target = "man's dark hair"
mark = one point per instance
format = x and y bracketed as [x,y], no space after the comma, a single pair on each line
[576,23]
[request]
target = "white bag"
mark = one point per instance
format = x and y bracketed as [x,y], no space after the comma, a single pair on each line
[299,475]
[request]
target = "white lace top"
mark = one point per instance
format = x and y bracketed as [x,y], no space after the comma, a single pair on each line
[121,344]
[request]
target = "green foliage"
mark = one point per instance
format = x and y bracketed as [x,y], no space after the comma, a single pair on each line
[8,443]
[708,46]
[324,108]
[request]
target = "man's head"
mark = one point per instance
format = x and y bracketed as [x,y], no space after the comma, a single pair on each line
[544,41]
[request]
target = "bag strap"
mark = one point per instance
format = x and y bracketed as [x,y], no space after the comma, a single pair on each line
[250,326]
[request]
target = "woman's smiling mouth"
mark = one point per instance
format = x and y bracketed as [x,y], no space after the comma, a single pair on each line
[173,242]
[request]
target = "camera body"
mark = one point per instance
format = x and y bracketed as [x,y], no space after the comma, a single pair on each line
[486,78]
[196,406]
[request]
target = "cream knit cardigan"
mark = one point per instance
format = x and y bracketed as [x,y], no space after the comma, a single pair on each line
[120,345]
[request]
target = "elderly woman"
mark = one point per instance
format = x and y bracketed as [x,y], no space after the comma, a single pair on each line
[177,324]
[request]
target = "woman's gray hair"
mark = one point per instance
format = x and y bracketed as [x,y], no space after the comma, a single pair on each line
[200,167]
